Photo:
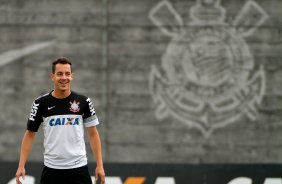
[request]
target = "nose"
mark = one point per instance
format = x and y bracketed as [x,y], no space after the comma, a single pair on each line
[64,76]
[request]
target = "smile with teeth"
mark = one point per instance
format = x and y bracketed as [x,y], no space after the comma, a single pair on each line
[63,83]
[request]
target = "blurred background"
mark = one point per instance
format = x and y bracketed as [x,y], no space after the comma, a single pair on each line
[173,82]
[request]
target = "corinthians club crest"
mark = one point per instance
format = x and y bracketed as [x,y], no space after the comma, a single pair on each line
[74,106]
[208,77]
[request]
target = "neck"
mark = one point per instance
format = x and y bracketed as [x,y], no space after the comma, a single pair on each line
[61,94]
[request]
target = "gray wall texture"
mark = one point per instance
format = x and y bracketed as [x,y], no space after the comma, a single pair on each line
[182,81]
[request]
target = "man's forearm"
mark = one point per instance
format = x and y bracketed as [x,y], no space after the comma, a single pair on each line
[26,146]
[95,143]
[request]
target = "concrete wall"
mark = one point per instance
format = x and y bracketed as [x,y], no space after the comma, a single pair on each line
[158,98]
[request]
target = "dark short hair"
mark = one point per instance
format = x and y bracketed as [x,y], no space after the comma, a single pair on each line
[60,60]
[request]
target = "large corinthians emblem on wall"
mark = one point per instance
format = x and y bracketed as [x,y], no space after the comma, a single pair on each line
[208,77]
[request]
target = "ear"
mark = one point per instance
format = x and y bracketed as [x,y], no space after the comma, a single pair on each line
[72,76]
[52,76]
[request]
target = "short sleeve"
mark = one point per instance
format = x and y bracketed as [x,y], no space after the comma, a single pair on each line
[89,117]
[35,117]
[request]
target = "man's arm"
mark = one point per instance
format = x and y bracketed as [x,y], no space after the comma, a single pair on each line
[95,143]
[26,146]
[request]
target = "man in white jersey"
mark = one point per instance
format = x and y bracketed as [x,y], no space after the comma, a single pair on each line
[63,115]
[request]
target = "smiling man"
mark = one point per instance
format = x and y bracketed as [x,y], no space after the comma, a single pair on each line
[63,114]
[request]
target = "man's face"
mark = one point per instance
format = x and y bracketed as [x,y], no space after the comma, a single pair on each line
[62,77]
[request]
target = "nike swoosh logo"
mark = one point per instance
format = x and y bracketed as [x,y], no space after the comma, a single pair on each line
[49,108]
[12,55]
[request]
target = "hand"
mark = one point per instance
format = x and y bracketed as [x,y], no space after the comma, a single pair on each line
[20,173]
[100,173]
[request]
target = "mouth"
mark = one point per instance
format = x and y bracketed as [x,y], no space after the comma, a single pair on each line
[63,83]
